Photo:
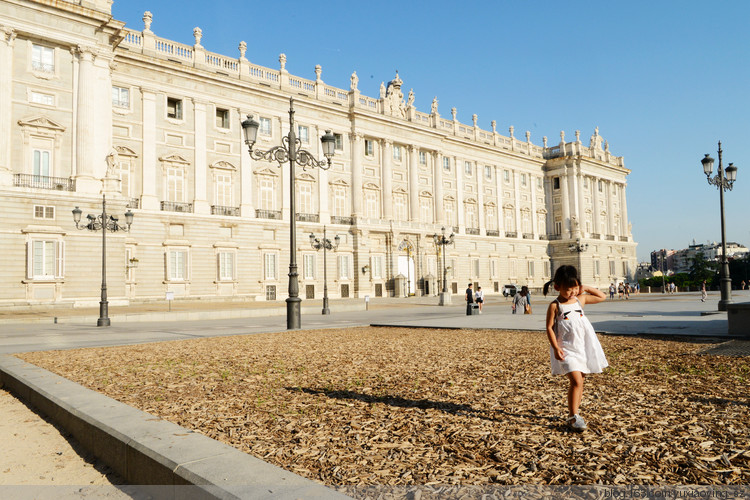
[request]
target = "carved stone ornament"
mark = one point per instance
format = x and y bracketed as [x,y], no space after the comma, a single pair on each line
[147,19]
[198,34]
[243,49]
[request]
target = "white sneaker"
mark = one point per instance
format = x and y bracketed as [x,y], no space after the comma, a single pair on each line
[577,423]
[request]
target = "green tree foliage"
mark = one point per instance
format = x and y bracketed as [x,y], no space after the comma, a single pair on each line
[701,269]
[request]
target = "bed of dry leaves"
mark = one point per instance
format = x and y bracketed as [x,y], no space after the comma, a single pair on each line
[417,406]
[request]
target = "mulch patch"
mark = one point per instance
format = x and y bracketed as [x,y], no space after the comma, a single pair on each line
[379,406]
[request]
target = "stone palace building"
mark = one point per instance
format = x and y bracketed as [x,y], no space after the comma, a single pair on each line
[89,108]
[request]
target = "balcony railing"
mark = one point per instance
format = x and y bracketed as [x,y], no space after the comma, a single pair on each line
[44,182]
[610,237]
[553,237]
[528,236]
[543,236]
[624,238]
[472,230]
[308,217]
[133,203]
[596,236]
[220,210]
[336,219]
[175,206]
[511,234]
[493,232]
[268,214]
[455,229]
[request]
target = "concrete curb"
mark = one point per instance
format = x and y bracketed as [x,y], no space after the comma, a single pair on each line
[250,312]
[146,450]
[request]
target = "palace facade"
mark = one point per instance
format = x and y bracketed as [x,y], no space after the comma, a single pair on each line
[89,108]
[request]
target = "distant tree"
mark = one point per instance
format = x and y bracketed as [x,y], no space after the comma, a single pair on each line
[739,270]
[701,269]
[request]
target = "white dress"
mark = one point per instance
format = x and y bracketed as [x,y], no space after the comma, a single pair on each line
[576,337]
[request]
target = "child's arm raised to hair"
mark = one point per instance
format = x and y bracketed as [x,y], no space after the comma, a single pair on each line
[591,295]
[551,313]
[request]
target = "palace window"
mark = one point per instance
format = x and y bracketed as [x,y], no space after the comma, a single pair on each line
[523,179]
[399,207]
[425,208]
[450,212]
[338,144]
[42,58]
[377,266]
[339,201]
[174,108]
[175,188]
[555,183]
[40,98]
[488,171]
[344,264]
[265,126]
[372,207]
[177,264]
[491,219]
[270,266]
[41,164]
[422,158]
[222,118]
[223,188]
[506,176]
[308,266]
[44,212]
[467,168]
[225,265]
[120,97]
[369,148]
[305,197]
[397,153]
[446,164]
[45,258]
[267,199]
[303,134]
[530,269]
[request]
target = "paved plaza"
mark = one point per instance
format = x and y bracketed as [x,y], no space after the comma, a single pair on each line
[669,316]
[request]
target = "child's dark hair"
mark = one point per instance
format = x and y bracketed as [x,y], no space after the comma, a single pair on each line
[566,276]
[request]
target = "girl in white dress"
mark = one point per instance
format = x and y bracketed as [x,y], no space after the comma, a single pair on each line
[574,347]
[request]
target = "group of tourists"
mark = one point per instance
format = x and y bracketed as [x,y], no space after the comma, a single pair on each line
[623,290]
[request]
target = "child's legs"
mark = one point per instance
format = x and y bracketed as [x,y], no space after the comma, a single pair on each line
[575,391]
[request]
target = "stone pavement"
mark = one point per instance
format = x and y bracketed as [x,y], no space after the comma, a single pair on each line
[148,450]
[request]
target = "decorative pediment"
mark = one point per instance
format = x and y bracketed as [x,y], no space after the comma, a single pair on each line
[41,122]
[470,201]
[267,171]
[490,204]
[339,182]
[125,151]
[371,185]
[223,165]
[449,198]
[509,206]
[400,190]
[304,176]
[174,158]
[425,194]
[542,211]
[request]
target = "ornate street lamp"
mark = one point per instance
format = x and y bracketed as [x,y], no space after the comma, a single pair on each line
[577,247]
[442,241]
[723,183]
[290,151]
[103,223]
[325,244]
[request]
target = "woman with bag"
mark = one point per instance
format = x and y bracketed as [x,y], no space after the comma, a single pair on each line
[519,302]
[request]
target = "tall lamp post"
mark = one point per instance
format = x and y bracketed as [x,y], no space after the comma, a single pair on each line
[441,240]
[723,183]
[103,223]
[290,151]
[325,244]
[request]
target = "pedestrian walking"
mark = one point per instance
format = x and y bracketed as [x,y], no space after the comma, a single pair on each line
[612,291]
[620,291]
[575,350]
[520,302]
[479,296]
[469,297]
[704,293]
[627,291]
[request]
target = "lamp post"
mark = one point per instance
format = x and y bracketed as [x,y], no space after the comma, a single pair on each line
[325,244]
[723,183]
[441,240]
[290,151]
[578,247]
[103,223]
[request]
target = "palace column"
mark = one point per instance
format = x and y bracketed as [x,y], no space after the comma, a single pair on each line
[387,159]
[566,229]
[200,201]
[581,202]
[534,223]
[7,37]
[610,209]
[437,180]
[149,197]
[356,174]
[597,211]
[86,123]
[517,203]
[624,231]
[460,209]
[481,215]
[414,184]
[500,208]
[246,180]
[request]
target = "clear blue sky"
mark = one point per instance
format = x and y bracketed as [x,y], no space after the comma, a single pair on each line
[664,81]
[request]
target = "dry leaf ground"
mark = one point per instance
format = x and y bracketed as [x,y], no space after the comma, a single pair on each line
[418,406]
